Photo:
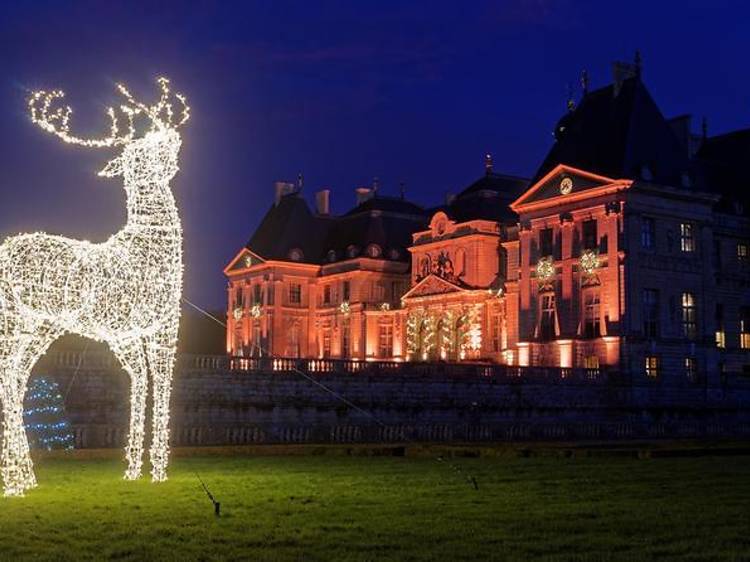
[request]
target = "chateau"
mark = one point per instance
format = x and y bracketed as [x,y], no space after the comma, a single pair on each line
[629,248]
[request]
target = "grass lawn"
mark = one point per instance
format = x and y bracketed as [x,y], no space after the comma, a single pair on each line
[385,508]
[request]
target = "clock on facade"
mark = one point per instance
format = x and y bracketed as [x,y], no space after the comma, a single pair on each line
[566,186]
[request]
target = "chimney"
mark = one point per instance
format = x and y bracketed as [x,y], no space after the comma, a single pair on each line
[282,188]
[364,194]
[621,71]
[323,202]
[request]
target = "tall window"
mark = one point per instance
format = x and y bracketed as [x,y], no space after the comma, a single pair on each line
[256,293]
[745,327]
[545,242]
[496,332]
[650,313]
[238,298]
[327,342]
[591,306]
[547,325]
[717,255]
[589,235]
[690,369]
[294,340]
[743,252]
[295,293]
[346,289]
[687,237]
[648,232]
[652,366]
[689,316]
[327,294]
[385,341]
[345,339]
[721,338]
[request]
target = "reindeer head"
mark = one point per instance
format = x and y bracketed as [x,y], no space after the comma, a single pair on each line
[151,158]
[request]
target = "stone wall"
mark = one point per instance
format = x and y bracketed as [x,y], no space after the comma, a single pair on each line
[215,405]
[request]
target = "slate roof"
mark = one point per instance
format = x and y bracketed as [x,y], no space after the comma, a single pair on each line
[723,161]
[385,221]
[616,133]
[487,198]
[289,225]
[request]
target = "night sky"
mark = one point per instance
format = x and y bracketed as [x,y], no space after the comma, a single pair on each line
[340,91]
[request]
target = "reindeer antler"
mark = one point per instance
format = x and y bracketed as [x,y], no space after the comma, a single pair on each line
[163,106]
[57,121]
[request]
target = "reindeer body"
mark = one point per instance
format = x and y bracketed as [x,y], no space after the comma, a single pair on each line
[125,291]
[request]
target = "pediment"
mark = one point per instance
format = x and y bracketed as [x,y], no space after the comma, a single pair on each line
[432,285]
[565,183]
[243,260]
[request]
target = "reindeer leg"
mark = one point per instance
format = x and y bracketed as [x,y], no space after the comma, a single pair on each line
[17,468]
[161,354]
[133,360]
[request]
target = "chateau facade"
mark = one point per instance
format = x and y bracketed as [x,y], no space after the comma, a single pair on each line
[629,248]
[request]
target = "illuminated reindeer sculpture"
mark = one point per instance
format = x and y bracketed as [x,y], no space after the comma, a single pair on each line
[125,291]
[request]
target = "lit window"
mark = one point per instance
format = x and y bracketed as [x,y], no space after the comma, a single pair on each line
[743,252]
[690,370]
[652,366]
[547,325]
[689,316]
[591,325]
[327,342]
[591,362]
[385,341]
[295,293]
[687,238]
[745,327]
[721,341]
[648,232]
[345,339]
[650,313]
[495,333]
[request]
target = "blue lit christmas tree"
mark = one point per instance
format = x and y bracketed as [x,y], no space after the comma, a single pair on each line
[44,416]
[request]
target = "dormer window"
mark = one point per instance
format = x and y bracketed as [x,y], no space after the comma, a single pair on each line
[393,254]
[352,251]
[331,256]
[295,254]
[646,173]
[373,251]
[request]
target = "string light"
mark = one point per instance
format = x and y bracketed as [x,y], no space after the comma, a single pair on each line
[125,291]
[589,261]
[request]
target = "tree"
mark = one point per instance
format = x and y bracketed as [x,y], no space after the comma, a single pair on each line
[44,416]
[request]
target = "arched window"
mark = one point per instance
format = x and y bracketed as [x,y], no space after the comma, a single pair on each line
[295,254]
[373,251]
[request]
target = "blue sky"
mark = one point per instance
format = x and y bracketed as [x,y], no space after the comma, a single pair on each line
[339,91]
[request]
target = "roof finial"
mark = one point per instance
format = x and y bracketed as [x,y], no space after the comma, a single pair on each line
[300,181]
[402,190]
[704,128]
[638,63]
[571,102]
[375,184]
[585,81]
[488,163]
